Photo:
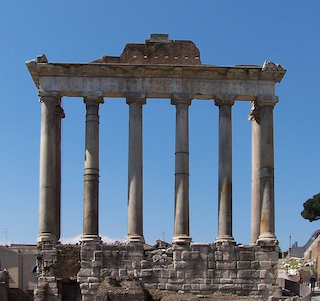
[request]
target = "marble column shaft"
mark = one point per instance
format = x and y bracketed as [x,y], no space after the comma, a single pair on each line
[91,170]
[181,212]
[267,229]
[135,178]
[49,196]
[225,170]
[255,171]
[59,115]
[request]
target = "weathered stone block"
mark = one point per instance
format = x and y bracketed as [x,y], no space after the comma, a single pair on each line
[206,281]
[226,280]
[255,274]
[197,280]
[181,264]
[263,274]
[229,255]
[180,274]
[226,265]
[146,272]
[84,286]
[245,274]
[211,264]
[97,255]
[96,264]
[82,279]
[93,286]
[265,265]
[185,255]
[195,287]
[130,273]
[122,272]
[244,265]
[161,286]
[176,256]
[186,287]
[195,255]
[85,264]
[189,274]
[262,256]
[255,265]
[218,255]
[173,287]
[85,272]
[151,285]
[246,256]
[93,279]
[105,272]
[172,274]
[230,287]
[95,272]
[84,292]
[211,273]
[144,264]
[164,273]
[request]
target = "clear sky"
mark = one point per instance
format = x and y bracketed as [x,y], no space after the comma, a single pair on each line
[226,33]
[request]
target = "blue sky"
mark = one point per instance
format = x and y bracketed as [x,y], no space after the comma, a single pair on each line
[226,33]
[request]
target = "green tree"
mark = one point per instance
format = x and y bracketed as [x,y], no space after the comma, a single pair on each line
[311,208]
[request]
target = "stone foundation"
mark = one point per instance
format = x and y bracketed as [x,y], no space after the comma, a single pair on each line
[249,270]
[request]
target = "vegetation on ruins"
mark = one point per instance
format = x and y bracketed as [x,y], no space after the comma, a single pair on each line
[311,208]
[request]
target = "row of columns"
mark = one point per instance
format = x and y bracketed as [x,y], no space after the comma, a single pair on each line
[262,169]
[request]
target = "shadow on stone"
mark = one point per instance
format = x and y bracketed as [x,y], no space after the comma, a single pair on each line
[118,289]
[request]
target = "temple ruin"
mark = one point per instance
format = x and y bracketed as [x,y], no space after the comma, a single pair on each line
[170,69]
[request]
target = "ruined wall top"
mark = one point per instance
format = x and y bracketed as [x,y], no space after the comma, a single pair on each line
[157,50]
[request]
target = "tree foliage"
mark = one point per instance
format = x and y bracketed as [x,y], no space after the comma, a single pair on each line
[311,209]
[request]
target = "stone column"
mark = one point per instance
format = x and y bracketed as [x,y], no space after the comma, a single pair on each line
[91,171]
[59,115]
[49,173]
[267,229]
[135,179]
[181,212]
[225,103]
[254,116]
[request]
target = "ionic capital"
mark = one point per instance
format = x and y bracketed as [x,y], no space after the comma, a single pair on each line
[184,98]
[136,97]
[224,99]
[49,97]
[93,99]
[267,100]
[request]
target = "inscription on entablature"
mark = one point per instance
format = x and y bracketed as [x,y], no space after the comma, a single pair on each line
[76,85]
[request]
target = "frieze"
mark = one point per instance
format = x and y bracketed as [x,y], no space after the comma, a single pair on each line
[154,87]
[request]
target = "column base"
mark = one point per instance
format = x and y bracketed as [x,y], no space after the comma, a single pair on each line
[90,237]
[225,239]
[267,238]
[46,236]
[181,239]
[134,239]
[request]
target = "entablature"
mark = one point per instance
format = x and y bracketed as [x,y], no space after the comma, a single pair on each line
[156,81]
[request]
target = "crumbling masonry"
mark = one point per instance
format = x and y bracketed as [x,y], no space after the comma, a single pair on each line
[160,68]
